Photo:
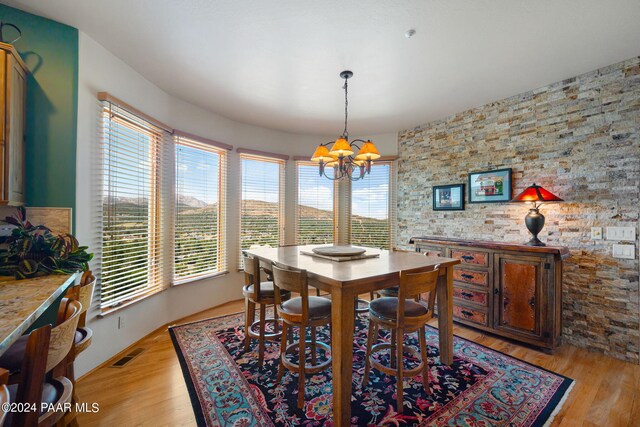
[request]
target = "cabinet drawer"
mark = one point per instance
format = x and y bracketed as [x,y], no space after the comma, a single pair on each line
[480,259]
[470,314]
[477,297]
[431,250]
[474,277]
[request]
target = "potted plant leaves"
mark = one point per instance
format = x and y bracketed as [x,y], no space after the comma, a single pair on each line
[33,250]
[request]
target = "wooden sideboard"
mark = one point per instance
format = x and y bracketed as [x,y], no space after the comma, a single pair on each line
[512,290]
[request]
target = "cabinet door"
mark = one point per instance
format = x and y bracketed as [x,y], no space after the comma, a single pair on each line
[519,296]
[16,93]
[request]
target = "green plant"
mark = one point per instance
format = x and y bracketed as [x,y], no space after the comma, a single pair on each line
[33,250]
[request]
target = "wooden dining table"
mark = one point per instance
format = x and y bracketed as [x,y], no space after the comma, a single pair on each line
[346,280]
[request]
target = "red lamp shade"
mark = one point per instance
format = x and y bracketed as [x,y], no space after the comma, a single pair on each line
[535,193]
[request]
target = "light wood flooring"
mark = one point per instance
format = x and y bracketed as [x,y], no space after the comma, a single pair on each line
[150,390]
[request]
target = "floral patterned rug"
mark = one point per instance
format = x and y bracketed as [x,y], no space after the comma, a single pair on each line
[482,388]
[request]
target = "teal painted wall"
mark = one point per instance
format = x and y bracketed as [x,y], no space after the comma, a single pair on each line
[50,50]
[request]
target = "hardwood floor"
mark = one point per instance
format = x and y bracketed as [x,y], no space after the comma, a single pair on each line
[150,390]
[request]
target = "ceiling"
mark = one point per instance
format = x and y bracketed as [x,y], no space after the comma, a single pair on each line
[276,63]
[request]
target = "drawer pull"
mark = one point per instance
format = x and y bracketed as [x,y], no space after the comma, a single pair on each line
[496,291]
[466,294]
[466,313]
[466,257]
[467,276]
[532,302]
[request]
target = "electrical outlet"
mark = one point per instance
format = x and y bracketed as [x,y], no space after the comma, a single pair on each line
[621,233]
[120,322]
[624,251]
[596,233]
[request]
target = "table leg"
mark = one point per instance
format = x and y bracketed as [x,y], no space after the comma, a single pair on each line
[445,316]
[342,319]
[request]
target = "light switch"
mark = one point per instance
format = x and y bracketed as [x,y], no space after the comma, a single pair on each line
[621,233]
[596,233]
[624,251]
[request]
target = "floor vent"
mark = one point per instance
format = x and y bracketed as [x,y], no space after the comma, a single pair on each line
[128,358]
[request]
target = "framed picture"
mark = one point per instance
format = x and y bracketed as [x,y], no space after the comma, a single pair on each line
[490,186]
[448,197]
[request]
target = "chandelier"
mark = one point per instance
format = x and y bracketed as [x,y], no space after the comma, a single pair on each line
[340,158]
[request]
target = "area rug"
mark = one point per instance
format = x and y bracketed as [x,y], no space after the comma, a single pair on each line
[482,388]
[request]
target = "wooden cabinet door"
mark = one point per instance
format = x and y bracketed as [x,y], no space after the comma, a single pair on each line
[15,125]
[519,283]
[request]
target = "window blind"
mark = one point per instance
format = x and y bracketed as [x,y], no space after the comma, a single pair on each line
[200,208]
[373,208]
[132,252]
[262,201]
[315,201]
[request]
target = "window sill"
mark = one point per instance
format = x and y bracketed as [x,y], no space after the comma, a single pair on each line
[109,310]
[198,278]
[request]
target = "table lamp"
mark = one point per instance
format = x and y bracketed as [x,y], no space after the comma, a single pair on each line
[534,219]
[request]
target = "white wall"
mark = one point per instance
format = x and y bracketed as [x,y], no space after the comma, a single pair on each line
[99,70]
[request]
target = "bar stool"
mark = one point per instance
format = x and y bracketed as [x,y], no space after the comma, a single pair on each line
[302,312]
[4,394]
[261,293]
[43,366]
[402,315]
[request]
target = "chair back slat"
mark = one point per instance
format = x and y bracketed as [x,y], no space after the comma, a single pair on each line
[293,281]
[62,336]
[252,273]
[85,294]
[414,283]
[289,279]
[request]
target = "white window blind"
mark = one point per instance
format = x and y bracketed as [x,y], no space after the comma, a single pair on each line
[373,208]
[200,207]
[262,201]
[315,201]
[132,207]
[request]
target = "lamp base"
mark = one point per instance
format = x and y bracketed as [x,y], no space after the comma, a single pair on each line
[534,222]
[535,242]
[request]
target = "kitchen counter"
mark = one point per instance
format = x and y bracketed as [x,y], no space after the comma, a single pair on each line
[23,301]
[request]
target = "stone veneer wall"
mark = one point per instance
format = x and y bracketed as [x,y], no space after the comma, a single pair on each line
[579,138]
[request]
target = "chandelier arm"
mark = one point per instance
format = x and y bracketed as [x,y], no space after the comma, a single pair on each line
[324,172]
[360,175]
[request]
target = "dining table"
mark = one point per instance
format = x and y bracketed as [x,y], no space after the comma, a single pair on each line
[344,281]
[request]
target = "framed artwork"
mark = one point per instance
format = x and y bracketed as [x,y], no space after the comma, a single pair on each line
[448,197]
[490,186]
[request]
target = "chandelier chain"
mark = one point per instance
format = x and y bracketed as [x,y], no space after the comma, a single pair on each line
[345,133]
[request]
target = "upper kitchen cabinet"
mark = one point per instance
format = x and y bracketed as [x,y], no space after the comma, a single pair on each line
[13,92]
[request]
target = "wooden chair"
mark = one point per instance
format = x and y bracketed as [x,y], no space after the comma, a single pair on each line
[262,293]
[43,367]
[302,312]
[4,394]
[402,315]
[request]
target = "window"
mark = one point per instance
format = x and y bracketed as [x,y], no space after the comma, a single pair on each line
[314,205]
[373,208]
[262,201]
[200,207]
[132,253]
